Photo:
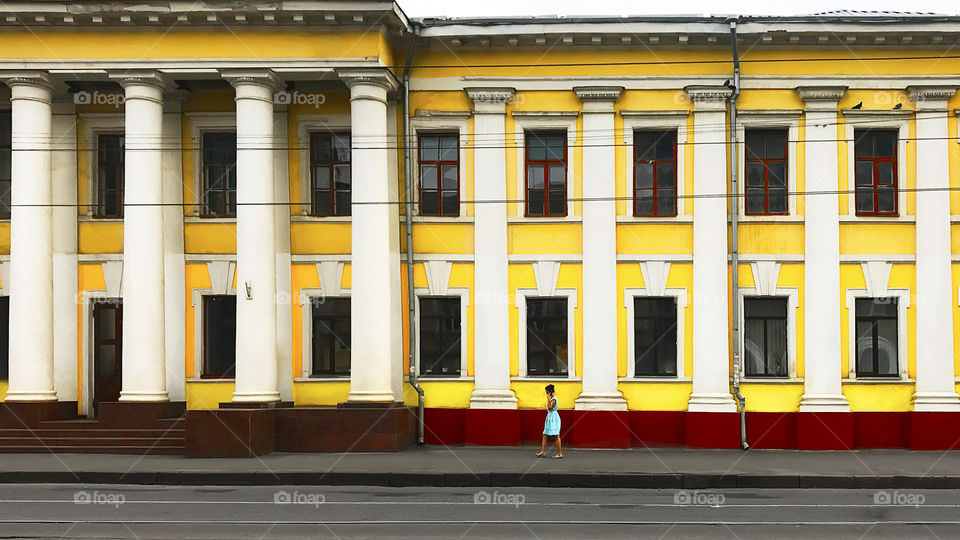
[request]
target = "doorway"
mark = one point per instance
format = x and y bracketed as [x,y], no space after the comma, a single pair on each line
[107,350]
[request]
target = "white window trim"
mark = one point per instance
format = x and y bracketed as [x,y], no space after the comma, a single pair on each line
[521,305]
[306,125]
[545,120]
[679,295]
[792,295]
[201,123]
[899,122]
[666,120]
[427,124]
[464,294]
[903,302]
[766,120]
[196,300]
[306,332]
[95,125]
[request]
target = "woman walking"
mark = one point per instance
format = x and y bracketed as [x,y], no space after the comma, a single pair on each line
[551,426]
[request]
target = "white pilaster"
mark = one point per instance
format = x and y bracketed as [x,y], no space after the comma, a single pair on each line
[31,375]
[935,368]
[711,348]
[599,252]
[64,195]
[822,390]
[281,191]
[173,257]
[144,362]
[257,368]
[375,374]
[491,299]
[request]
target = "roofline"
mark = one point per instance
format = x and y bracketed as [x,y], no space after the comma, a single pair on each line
[433,22]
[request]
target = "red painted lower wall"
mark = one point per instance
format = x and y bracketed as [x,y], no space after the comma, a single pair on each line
[625,429]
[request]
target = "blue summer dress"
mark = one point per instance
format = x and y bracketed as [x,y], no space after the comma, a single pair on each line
[551,426]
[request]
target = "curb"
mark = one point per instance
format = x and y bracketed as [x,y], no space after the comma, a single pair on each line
[483,480]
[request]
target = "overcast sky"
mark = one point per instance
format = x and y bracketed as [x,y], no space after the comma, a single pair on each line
[492,8]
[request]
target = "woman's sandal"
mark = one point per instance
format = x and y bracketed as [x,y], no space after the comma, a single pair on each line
[558,456]
[541,454]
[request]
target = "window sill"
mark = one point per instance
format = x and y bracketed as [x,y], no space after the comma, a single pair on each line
[770,219]
[770,380]
[430,378]
[654,219]
[94,219]
[655,379]
[545,378]
[877,219]
[320,219]
[534,220]
[441,219]
[211,380]
[322,379]
[198,219]
[879,380]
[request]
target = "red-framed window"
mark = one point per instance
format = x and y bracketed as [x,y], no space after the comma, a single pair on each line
[655,173]
[766,168]
[546,173]
[110,171]
[330,174]
[439,157]
[219,174]
[875,152]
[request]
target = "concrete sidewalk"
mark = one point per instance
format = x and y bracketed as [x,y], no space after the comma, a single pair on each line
[491,467]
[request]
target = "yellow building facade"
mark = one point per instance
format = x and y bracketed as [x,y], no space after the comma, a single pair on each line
[238,178]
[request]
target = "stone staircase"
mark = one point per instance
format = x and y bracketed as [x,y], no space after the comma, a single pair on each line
[122,428]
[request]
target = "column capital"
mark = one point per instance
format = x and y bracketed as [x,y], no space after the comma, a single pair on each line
[821,98]
[147,77]
[36,83]
[261,77]
[490,100]
[708,98]
[368,76]
[598,99]
[931,98]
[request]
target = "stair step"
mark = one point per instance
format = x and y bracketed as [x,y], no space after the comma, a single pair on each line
[137,450]
[93,432]
[91,441]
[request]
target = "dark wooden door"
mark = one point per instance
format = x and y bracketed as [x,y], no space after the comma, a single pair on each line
[107,347]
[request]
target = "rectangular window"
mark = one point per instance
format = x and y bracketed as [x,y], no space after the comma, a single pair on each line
[440,336]
[765,337]
[877,337]
[876,172]
[219,174]
[547,336]
[766,170]
[546,171]
[331,337]
[440,175]
[655,173]
[4,337]
[655,336]
[6,139]
[330,173]
[110,176]
[219,336]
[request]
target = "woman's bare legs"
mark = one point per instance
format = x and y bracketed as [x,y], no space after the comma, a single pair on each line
[559,449]
[543,445]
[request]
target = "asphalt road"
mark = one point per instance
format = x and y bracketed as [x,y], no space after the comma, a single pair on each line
[55,511]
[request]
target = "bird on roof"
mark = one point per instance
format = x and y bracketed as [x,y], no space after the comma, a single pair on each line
[857,106]
[897,106]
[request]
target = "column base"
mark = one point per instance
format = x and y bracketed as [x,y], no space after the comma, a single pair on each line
[24,395]
[711,403]
[368,397]
[936,402]
[493,399]
[255,397]
[612,401]
[824,403]
[144,396]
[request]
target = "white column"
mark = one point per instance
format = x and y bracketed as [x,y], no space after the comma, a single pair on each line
[374,323]
[281,190]
[935,369]
[491,295]
[257,372]
[31,241]
[144,362]
[173,258]
[711,346]
[599,252]
[821,298]
[64,182]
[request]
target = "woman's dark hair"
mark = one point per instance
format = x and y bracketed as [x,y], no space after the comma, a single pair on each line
[549,388]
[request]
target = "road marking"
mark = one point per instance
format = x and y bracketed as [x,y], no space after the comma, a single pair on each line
[468,522]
